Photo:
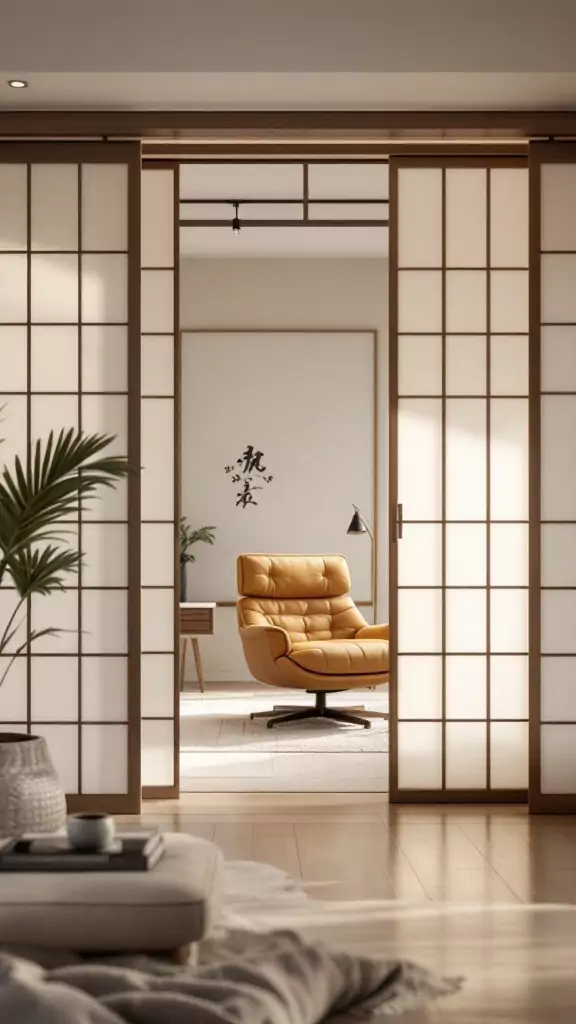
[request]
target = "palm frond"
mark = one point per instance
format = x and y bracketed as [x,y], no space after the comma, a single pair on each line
[41,570]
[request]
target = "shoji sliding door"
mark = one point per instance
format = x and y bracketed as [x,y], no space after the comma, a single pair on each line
[459,479]
[70,357]
[160,480]
[553,493]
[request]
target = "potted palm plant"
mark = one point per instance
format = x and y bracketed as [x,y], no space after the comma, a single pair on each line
[189,537]
[35,498]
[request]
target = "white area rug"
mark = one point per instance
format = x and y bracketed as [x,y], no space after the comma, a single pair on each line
[315,736]
[222,750]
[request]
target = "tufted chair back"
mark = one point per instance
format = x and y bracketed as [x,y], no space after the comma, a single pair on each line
[306,595]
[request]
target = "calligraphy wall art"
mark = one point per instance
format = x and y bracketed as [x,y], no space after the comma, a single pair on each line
[250,475]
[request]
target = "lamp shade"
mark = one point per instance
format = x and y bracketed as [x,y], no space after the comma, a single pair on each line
[356,524]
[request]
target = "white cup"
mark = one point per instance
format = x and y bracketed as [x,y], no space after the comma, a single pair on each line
[89,831]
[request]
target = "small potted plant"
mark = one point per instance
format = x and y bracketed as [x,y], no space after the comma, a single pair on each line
[35,498]
[188,537]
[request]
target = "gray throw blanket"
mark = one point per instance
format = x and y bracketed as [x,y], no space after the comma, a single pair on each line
[280,979]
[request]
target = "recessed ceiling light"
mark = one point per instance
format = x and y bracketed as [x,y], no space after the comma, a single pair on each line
[17,83]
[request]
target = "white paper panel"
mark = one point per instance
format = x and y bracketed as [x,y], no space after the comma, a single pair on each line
[54,689]
[158,301]
[558,459]
[104,689]
[104,759]
[420,458]
[58,610]
[465,458]
[14,428]
[104,358]
[558,689]
[558,216]
[157,621]
[558,553]
[54,206]
[465,301]
[419,365]
[465,621]
[509,365]
[62,743]
[13,359]
[419,621]
[157,753]
[54,362]
[105,549]
[157,673]
[157,364]
[420,218]
[419,755]
[509,621]
[466,755]
[509,300]
[558,358]
[466,366]
[105,206]
[104,288]
[558,273]
[105,621]
[331,211]
[158,555]
[466,687]
[419,301]
[13,689]
[509,217]
[465,555]
[8,601]
[52,412]
[509,555]
[508,686]
[346,181]
[420,556]
[253,181]
[13,204]
[558,621]
[419,687]
[509,755]
[158,458]
[558,758]
[466,189]
[54,288]
[13,288]
[158,218]
[509,458]
[108,414]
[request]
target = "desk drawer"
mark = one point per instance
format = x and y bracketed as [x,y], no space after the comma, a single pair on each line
[196,620]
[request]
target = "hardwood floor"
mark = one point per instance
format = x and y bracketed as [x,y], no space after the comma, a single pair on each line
[480,882]
[358,846]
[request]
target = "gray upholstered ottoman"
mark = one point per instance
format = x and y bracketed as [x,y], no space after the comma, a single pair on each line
[159,911]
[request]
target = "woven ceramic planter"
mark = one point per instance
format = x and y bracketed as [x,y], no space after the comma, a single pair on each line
[31,797]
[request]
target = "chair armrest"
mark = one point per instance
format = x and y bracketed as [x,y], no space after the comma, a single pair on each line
[381,632]
[274,638]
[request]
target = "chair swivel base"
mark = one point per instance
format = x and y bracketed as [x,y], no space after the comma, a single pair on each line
[319,710]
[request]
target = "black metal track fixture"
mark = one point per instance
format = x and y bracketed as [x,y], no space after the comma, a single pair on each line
[236,225]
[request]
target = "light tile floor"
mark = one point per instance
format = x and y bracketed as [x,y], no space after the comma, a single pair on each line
[216,759]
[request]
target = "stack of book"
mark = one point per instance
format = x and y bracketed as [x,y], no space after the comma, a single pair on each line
[129,851]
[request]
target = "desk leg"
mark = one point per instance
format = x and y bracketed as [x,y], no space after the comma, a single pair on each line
[198,662]
[183,643]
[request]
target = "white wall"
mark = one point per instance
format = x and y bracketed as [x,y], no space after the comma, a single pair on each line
[294,294]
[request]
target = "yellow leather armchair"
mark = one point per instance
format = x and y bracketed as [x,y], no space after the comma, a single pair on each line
[300,629]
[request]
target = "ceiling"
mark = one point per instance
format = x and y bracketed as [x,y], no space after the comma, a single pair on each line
[261,54]
[307,90]
[284,243]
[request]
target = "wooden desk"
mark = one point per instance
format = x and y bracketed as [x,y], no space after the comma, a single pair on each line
[196,619]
